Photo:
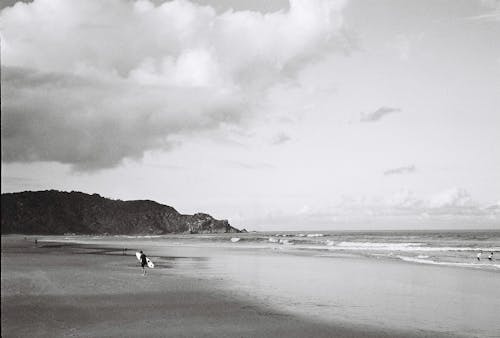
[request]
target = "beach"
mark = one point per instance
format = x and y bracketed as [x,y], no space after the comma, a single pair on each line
[65,288]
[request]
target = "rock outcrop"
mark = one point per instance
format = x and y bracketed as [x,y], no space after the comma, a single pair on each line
[56,212]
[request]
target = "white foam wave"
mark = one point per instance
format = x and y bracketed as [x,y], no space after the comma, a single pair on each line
[315,235]
[137,236]
[373,246]
[428,261]
[377,245]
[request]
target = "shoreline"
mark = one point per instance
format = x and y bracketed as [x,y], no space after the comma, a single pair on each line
[59,289]
[148,240]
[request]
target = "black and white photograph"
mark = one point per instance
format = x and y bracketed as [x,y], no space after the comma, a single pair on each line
[250,168]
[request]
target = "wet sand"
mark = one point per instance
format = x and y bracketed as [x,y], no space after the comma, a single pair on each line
[56,290]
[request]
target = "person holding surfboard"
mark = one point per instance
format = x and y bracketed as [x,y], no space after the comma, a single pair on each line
[144,262]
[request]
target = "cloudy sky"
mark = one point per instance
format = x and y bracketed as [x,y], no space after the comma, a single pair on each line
[303,114]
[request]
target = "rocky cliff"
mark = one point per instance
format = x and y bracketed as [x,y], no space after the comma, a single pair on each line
[56,212]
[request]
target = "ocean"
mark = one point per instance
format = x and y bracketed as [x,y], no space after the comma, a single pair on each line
[445,248]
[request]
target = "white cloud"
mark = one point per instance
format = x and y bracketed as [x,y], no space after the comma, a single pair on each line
[451,198]
[90,83]
[448,208]
[450,201]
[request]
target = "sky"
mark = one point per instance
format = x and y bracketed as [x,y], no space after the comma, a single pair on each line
[307,114]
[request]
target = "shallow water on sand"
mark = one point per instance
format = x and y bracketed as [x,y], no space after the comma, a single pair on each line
[366,286]
[361,290]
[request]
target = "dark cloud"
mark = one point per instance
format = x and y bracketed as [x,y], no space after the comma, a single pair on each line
[94,124]
[401,170]
[378,114]
[8,3]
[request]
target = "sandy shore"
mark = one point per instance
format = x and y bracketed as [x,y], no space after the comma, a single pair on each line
[55,290]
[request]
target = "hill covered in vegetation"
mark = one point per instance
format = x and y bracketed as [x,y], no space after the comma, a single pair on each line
[56,212]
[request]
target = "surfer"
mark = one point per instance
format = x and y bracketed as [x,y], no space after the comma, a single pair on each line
[479,255]
[490,256]
[144,262]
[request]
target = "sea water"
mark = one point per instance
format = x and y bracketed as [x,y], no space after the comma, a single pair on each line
[444,248]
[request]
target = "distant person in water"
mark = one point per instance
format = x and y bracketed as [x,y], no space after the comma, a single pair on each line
[490,256]
[479,255]
[144,262]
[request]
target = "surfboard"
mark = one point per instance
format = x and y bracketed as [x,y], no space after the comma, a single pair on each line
[150,263]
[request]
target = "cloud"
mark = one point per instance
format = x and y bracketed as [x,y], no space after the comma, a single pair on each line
[451,208]
[93,124]
[401,170]
[378,114]
[8,3]
[452,201]
[451,198]
[280,139]
[90,83]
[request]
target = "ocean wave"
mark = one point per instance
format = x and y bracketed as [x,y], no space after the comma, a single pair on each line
[377,244]
[138,236]
[374,246]
[432,262]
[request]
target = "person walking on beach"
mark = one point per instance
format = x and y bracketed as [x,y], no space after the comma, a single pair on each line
[144,262]
[490,256]
[479,255]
